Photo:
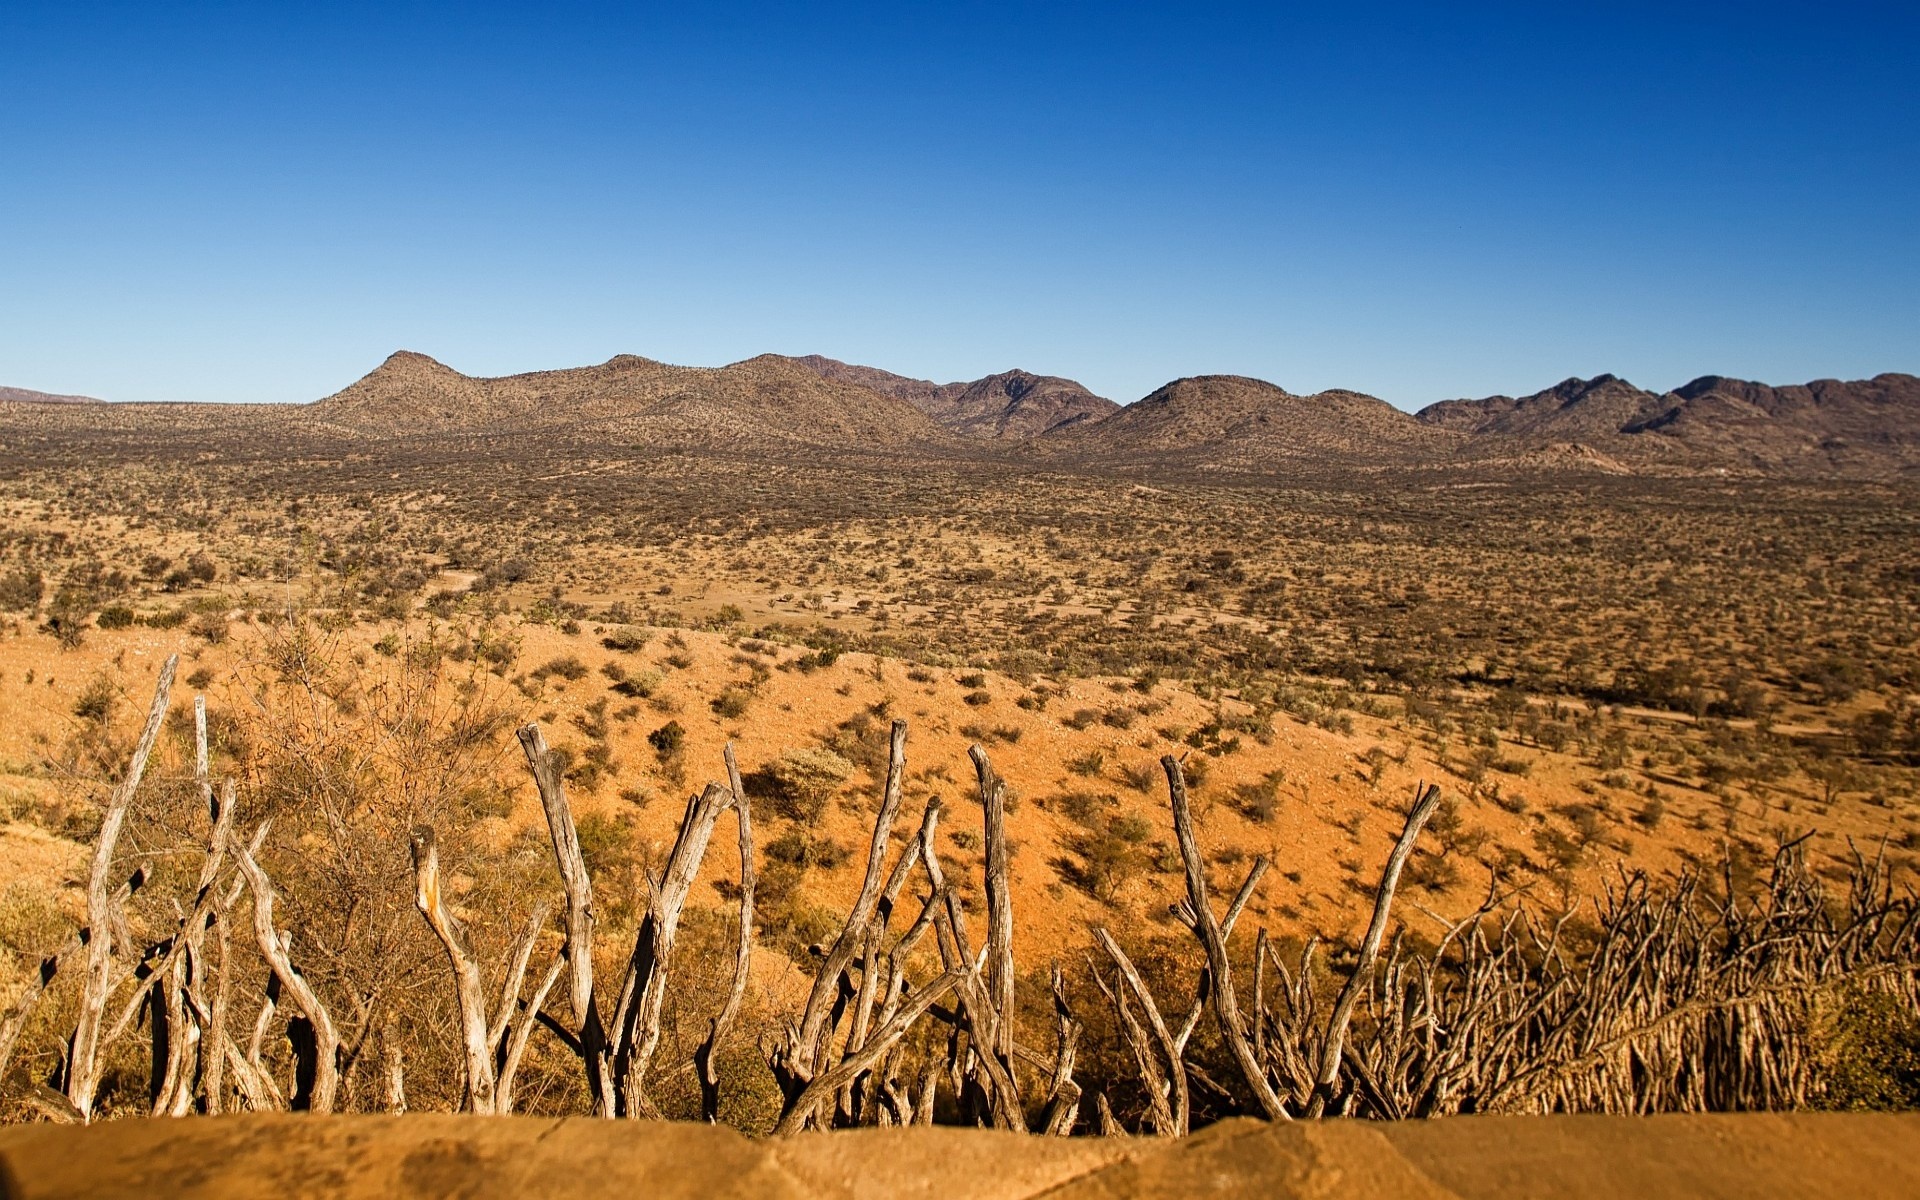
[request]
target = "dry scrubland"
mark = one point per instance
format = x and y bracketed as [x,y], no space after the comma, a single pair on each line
[1603,675]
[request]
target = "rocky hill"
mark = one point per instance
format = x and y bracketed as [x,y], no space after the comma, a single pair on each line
[627,398]
[1009,406]
[14,395]
[1863,427]
[1235,422]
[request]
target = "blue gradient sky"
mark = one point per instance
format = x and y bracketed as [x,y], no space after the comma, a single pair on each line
[261,202]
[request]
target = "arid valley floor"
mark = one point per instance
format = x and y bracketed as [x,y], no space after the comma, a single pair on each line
[1611,659]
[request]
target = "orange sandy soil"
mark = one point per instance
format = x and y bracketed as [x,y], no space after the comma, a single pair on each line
[1325,785]
[1743,1156]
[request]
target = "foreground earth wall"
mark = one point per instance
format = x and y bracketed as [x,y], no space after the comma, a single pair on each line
[1742,1157]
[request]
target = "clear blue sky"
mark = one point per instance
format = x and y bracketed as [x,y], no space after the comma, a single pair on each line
[260,202]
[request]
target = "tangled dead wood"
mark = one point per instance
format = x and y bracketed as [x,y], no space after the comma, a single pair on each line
[1671,997]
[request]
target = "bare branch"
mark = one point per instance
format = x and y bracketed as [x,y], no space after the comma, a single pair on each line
[83,1068]
[1426,799]
[468,987]
[326,1071]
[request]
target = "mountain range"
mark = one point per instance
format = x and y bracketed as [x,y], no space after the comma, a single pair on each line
[1863,428]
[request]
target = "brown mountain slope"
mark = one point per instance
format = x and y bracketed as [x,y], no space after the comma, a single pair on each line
[1861,427]
[764,398]
[14,395]
[917,392]
[1232,421]
[1017,404]
[1008,406]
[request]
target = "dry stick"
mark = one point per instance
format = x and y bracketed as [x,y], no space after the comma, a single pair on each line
[326,1075]
[83,1067]
[653,947]
[220,815]
[902,950]
[24,1004]
[181,944]
[522,1033]
[1426,799]
[957,954]
[1063,1094]
[193,936]
[1000,972]
[883,916]
[395,1065]
[515,977]
[1226,1007]
[743,952]
[1176,1116]
[1152,1075]
[167,1030]
[1260,995]
[257,1088]
[864,998]
[213,1077]
[977,1013]
[826,981]
[587,1028]
[850,1068]
[1000,975]
[469,989]
[269,1005]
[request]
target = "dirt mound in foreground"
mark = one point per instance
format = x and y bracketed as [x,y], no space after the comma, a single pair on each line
[1748,1157]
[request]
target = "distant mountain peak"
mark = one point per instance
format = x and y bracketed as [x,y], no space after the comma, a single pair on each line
[1241,423]
[413,358]
[1714,421]
[1006,406]
[762,400]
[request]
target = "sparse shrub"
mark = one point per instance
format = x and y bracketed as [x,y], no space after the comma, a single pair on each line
[627,639]
[96,701]
[807,778]
[212,626]
[115,616]
[1258,802]
[1651,813]
[1110,853]
[669,740]
[20,591]
[640,685]
[1090,763]
[567,666]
